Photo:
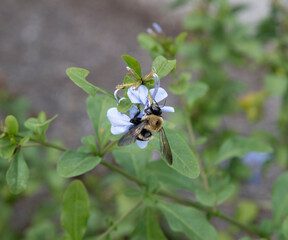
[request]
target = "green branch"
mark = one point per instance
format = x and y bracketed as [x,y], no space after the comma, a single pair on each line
[171,196]
[116,223]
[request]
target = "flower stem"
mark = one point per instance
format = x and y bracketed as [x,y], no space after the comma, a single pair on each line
[108,148]
[123,173]
[116,223]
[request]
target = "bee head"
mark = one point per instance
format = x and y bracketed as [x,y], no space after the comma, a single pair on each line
[154,109]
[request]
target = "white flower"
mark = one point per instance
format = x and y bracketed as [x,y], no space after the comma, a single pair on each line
[140,95]
[120,122]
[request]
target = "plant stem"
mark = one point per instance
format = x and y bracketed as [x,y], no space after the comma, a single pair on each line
[211,211]
[110,229]
[108,148]
[171,196]
[123,173]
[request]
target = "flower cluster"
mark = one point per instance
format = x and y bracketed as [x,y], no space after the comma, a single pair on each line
[121,123]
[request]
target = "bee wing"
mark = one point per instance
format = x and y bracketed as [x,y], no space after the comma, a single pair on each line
[131,136]
[165,147]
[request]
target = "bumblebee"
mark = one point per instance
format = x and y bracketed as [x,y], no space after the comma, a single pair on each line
[143,127]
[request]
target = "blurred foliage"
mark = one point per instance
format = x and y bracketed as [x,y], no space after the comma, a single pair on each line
[212,45]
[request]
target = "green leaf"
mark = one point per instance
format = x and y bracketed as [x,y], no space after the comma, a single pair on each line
[166,175]
[6,147]
[124,105]
[78,76]
[132,63]
[180,87]
[148,228]
[179,40]
[11,124]
[90,142]
[280,198]
[162,66]
[184,160]
[39,125]
[275,84]
[195,91]
[17,174]
[284,228]
[75,211]
[239,146]
[247,212]
[150,44]
[97,107]
[189,221]
[220,190]
[74,163]
[132,159]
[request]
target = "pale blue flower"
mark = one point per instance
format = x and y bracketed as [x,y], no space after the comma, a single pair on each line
[157,27]
[140,96]
[120,122]
[256,160]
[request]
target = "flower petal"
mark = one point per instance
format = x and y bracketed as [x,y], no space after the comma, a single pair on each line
[115,130]
[138,96]
[118,119]
[167,109]
[133,111]
[142,144]
[160,95]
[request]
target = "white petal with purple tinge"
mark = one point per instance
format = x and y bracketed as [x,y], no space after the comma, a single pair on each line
[116,130]
[142,144]
[118,119]
[160,95]
[138,96]
[167,109]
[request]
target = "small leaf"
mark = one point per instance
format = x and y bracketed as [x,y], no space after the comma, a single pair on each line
[162,66]
[90,142]
[132,159]
[24,140]
[97,108]
[39,125]
[6,147]
[132,63]
[195,91]
[11,124]
[189,221]
[150,44]
[166,175]
[124,105]
[239,146]
[74,163]
[75,211]
[17,174]
[279,198]
[148,228]
[247,212]
[78,76]
[184,160]
[179,40]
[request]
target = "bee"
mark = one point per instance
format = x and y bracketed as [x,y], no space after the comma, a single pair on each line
[143,127]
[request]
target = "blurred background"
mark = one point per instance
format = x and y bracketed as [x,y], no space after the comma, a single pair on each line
[39,40]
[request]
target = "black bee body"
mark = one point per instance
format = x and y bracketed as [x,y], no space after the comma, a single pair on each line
[143,127]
